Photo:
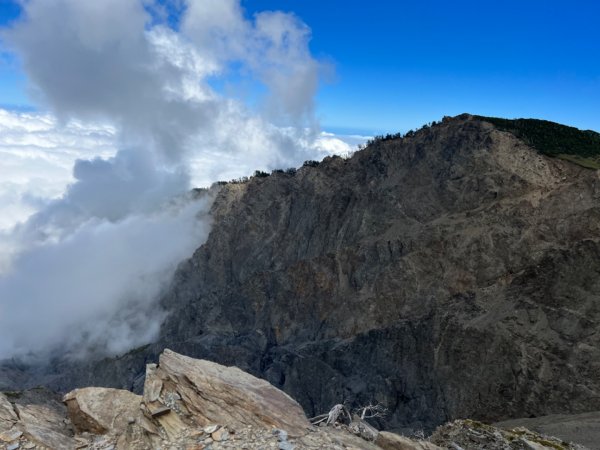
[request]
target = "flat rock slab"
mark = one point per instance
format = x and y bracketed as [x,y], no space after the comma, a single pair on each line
[213,393]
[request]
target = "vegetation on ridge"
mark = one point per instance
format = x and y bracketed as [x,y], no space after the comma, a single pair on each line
[553,139]
[580,147]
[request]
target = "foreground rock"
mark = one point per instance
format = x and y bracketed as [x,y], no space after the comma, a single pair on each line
[89,409]
[187,404]
[236,399]
[193,405]
[35,419]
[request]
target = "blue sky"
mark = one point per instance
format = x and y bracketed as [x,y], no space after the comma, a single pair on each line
[399,64]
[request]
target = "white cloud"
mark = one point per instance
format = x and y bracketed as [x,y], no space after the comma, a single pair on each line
[37,156]
[95,290]
[133,124]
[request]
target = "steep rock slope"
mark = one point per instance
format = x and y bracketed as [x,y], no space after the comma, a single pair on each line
[452,273]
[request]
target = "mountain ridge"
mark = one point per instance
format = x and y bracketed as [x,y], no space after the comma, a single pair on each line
[448,273]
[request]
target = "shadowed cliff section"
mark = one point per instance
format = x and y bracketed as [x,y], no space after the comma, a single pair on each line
[450,273]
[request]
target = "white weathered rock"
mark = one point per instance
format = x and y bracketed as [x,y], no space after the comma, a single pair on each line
[530,445]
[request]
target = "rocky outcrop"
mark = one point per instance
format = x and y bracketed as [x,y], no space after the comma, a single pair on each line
[194,405]
[472,435]
[186,403]
[34,419]
[236,400]
[581,428]
[451,273]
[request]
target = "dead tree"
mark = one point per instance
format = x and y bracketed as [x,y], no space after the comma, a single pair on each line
[332,417]
[371,411]
[356,422]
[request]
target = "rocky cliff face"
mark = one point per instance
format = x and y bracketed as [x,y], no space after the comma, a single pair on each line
[453,273]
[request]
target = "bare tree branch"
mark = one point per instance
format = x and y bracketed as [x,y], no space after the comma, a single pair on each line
[371,410]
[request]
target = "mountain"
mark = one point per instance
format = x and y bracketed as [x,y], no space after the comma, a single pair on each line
[452,272]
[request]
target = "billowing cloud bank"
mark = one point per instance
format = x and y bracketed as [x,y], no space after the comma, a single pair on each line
[132,105]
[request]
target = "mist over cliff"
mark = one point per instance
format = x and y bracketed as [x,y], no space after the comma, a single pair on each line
[82,271]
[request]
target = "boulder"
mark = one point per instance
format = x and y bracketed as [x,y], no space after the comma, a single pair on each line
[212,393]
[98,410]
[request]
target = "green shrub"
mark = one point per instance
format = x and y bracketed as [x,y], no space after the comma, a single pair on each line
[310,163]
[551,138]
